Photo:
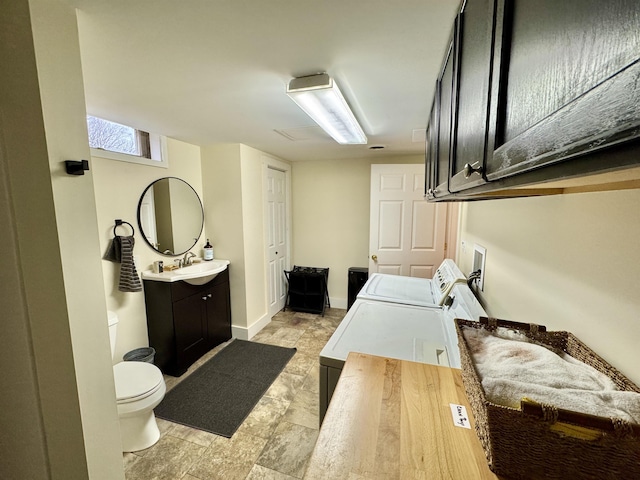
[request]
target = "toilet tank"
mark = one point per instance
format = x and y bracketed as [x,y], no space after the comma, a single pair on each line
[113,328]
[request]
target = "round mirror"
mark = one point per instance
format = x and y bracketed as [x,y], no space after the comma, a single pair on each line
[170,216]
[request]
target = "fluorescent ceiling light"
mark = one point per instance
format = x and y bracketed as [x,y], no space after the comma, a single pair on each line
[319,96]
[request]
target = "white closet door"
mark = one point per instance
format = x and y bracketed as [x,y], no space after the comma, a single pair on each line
[276,238]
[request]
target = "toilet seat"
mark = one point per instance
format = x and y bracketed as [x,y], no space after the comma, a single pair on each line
[135,381]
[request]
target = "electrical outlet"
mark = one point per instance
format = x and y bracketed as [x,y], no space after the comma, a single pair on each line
[463,246]
[479,260]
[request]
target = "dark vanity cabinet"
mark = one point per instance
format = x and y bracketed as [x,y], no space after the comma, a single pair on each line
[186,321]
[544,91]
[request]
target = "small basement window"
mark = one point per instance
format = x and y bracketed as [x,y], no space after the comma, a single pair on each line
[113,140]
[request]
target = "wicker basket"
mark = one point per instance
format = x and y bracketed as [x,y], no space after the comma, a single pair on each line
[541,441]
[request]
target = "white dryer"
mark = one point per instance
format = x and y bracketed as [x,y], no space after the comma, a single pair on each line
[426,292]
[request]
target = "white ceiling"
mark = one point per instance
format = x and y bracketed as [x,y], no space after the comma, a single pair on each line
[215,71]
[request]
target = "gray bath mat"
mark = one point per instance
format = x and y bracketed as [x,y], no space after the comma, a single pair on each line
[219,395]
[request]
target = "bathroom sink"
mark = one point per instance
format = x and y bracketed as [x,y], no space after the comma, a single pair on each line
[196,274]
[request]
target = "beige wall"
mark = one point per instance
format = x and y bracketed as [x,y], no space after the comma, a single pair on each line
[569,262]
[233,195]
[222,194]
[31,312]
[331,216]
[62,413]
[254,235]
[61,90]
[118,187]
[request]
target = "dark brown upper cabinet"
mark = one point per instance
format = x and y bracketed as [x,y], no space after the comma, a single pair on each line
[442,116]
[472,81]
[565,82]
[431,150]
[537,97]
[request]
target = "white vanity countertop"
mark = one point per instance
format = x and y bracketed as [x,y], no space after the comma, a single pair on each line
[196,274]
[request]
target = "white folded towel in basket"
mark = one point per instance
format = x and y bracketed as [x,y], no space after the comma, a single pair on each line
[511,368]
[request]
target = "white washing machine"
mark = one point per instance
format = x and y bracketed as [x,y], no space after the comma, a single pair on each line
[426,292]
[397,330]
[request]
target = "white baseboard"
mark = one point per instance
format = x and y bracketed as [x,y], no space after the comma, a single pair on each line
[246,333]
[241,333]
[338,303]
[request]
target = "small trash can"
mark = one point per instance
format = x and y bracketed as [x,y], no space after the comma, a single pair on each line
[144,354]
[357,277]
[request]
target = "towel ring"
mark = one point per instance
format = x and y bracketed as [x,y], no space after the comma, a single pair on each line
[119,223]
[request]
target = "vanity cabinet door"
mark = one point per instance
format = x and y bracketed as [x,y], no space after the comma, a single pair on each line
[565,82]
[218,314]
[190,323]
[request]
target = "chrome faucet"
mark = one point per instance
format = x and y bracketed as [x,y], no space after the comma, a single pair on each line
[187,260]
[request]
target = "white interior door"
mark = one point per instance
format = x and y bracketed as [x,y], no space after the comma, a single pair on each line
[407,234]
[276,201]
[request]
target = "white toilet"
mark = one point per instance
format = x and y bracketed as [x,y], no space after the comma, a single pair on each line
[140,388]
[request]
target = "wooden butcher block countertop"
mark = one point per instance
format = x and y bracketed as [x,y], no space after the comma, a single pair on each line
[391,419]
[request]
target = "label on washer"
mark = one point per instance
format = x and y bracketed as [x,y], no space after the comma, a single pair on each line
[459,414]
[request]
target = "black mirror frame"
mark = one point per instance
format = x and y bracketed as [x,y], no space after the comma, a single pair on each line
[175,254]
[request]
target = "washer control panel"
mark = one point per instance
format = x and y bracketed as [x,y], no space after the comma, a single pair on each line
[447,275]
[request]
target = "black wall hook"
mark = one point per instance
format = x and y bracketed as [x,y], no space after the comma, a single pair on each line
[76,167]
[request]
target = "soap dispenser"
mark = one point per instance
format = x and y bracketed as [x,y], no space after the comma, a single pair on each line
[208,251]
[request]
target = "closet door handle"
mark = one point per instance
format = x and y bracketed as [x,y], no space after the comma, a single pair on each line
[374,258]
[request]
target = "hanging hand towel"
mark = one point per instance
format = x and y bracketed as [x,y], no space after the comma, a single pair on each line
[114,252]
[129,279]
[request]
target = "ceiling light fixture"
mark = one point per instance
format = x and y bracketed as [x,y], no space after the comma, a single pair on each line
[319,96]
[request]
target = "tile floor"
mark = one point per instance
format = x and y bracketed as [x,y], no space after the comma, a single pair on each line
[276,439]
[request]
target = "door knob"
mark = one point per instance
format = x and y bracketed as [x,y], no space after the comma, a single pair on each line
[374,258]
